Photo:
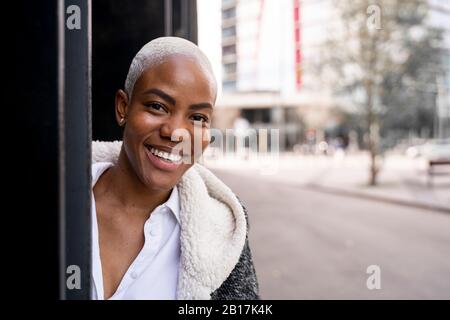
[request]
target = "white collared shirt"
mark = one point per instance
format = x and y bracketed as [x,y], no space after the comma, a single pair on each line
[154,272]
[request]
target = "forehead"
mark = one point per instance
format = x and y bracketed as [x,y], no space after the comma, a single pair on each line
[178,75]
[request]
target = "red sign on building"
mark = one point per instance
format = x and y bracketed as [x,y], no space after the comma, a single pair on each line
[297,45]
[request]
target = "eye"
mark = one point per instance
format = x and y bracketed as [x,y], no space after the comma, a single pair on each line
[156,106]
[200,117]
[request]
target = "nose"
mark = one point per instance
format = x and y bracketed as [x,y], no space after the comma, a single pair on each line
[169,127]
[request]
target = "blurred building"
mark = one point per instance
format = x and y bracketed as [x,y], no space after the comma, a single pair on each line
[440,17]
[262,76]
[266,48]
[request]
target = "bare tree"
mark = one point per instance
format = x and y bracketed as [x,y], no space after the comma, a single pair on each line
[368,43]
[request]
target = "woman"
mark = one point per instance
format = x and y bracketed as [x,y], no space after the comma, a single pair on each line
[163,226]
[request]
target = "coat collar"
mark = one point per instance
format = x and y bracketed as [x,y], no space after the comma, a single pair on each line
[213,227]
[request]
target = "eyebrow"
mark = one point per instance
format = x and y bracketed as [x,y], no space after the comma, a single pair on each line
[162,95]
[198,106]
[171,100]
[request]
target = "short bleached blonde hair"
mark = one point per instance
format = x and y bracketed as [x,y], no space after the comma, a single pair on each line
[157,51]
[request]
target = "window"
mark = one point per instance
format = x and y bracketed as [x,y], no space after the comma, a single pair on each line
[229,32]
[229,13]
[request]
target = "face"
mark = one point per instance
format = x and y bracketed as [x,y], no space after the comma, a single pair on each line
[174,95]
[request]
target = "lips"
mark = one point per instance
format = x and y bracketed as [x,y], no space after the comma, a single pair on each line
[161,159]
[160,147]
[168,156]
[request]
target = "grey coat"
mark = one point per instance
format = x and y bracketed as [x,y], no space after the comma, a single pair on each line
[242,283]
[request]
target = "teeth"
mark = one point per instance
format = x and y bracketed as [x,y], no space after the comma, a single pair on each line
[166,155]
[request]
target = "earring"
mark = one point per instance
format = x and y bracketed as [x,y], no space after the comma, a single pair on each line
[121,122]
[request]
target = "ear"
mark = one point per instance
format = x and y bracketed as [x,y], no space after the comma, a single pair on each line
[121,103]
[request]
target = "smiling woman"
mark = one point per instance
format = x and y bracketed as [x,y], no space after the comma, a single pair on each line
[164,227]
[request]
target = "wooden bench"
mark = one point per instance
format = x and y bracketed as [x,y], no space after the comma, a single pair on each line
[432,164]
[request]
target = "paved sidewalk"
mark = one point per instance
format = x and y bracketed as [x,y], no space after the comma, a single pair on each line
[402,180]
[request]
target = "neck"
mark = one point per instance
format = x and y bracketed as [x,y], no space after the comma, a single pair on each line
[128,191]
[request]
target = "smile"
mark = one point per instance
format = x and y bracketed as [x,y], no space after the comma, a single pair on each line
[163,160]
[165,155]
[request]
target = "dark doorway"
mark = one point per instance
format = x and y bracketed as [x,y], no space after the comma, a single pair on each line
[119,29]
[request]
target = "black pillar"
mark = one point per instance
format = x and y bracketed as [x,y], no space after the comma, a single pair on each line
[75,150]
[51,149]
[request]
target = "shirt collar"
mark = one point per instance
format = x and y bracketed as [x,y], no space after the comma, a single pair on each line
[173,203]
[97,170]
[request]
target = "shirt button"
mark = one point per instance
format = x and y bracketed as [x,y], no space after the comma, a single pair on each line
[134,275]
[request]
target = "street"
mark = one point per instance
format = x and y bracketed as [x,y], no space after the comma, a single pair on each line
[309,244]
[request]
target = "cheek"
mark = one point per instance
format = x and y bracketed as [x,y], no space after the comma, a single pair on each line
[141,125]
[204,139]
[205,145]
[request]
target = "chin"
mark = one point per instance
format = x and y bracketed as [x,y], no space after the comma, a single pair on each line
[159,180]
[154,181]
